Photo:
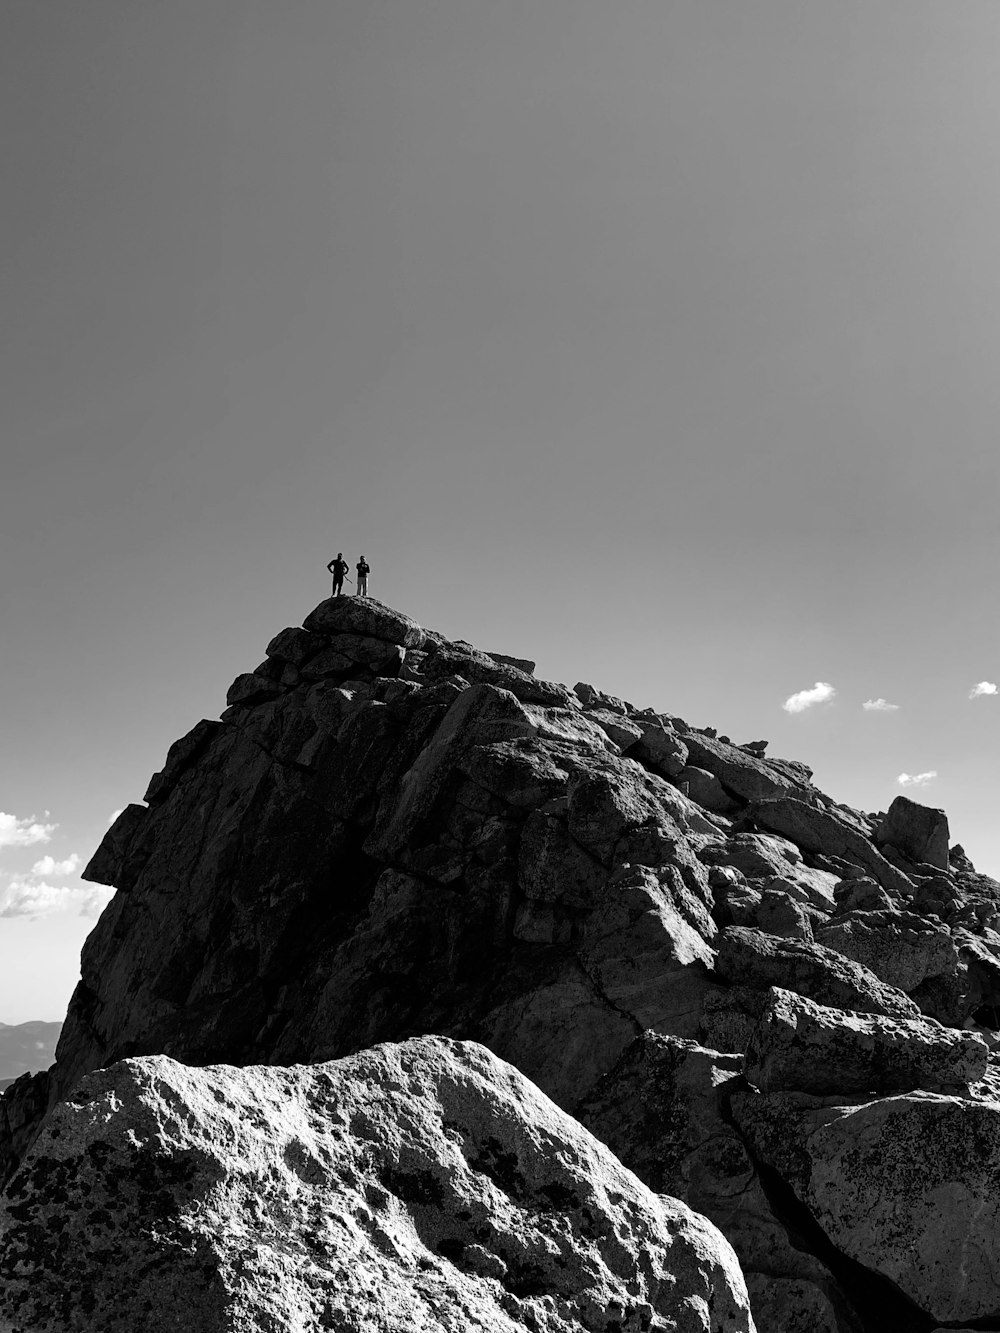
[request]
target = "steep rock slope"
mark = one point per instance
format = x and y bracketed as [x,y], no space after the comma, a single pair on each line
[390,834]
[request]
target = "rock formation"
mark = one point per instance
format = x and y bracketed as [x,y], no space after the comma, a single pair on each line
[726,975]
[422,1185]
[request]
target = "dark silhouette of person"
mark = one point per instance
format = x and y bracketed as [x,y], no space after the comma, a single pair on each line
[338,568]
[363,571]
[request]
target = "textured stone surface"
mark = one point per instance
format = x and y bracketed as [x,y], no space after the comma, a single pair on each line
[481,669]
[424,1185]
[250,688]
[920,832]
[749,957]
[181,755]
[705,788]
[906,1185]
[659,748]
[861,895]
[766,861]
[779,914]
[524,664]
[348,863]
[902,948]
[755,855]
[367,617]
[644,957]
[801,1046]
[741,774]
[827,832]
[664,1109]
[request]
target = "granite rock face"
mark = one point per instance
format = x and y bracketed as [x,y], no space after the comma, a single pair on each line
[918,831]
[902,948]
[455,848]
[906,1185]
[423,1185]
[801,1046]
[665,1109]
[389,834]
[750,957]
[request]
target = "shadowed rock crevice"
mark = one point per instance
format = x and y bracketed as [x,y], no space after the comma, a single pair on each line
[878,1303]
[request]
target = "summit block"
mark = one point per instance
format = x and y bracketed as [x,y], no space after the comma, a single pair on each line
[364,616]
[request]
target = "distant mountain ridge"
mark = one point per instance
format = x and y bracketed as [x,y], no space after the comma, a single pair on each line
[26,1047]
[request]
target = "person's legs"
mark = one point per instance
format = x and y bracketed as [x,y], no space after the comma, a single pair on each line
[362,585]
[338,587]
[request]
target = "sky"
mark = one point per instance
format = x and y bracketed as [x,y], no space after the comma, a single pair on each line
[655,341]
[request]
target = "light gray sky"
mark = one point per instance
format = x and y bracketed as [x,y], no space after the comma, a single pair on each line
[656,341]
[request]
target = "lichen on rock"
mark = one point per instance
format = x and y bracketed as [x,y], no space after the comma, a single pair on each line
[422,1185]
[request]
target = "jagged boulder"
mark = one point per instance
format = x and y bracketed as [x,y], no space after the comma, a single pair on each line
[659,747]
[252,688]
[901,947]
[592,698]
[861,895]
[919,831]
[524,664]
[755,855]
[741,773]
[363,616]
[749,957]
[801,1046]
[980,955]
[418,1185]
[779,914]
[644,957]
[706,789]
[616,726]
[181,755]
[828,833]
[664,1109]
[478,668]
[295,645]
[765,860]
[905,1185]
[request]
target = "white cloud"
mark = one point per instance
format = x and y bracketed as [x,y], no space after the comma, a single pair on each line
[984,687]
[916,779]
[48,865]
[32,893]
[25,896]
[114,815]
[93,899]
[16,832]
[879,706]
[820,693]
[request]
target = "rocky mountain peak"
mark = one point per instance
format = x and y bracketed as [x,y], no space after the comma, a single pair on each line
[680,940]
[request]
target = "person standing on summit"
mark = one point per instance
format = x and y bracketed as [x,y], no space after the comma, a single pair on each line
[338,568]
[363,572]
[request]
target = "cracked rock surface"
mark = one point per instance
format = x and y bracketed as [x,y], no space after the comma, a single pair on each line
[805,1047]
